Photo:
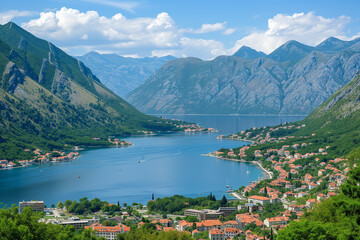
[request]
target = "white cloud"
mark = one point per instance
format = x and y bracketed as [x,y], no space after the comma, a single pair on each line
[206,28]
[7,16]
[72,27]
[229,31]
[305,28]
[206,49]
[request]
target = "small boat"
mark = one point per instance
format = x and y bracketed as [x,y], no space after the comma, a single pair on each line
[78,176]
[227,186]
[247,172]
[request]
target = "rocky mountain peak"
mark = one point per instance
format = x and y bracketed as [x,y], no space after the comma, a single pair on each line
[248,53]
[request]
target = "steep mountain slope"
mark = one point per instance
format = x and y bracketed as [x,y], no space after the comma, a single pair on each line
[336,122]
[48,99]
[338,118]
[122,74]
[294,79]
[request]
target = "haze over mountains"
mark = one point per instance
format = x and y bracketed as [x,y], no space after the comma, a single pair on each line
[122,74]
[48,99]
[293,79]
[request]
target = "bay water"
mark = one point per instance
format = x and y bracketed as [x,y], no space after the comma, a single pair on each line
[165,165]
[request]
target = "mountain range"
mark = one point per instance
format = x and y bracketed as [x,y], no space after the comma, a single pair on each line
[50,100]
[293,79]
[122,74]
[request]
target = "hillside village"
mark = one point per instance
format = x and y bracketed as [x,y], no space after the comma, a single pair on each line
[300,175]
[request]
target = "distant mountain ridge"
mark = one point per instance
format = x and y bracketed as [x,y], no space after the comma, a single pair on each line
[122,74]
[248,53]
[293,79]
[50,100]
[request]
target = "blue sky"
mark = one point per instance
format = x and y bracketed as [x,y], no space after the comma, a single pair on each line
[197,28]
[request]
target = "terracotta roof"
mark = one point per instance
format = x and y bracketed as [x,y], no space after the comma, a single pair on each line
[101,228]
[232,230]
[184,223]
[278,219]
[231,223]
[209,223]
[216,231]
[259,198]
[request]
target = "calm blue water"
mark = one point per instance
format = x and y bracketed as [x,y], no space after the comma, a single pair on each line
[170,164]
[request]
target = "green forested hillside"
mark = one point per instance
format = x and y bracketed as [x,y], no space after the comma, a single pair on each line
[337,120]
[50,100]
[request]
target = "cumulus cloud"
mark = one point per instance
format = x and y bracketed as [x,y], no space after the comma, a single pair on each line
[305,28]
[78,32]
[70,26]
[7,16]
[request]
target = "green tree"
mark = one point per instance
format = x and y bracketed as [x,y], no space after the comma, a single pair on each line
[223,201]
[60,204]
[265,191]
[26,225]
[68,203]
[193,226]
[191,218]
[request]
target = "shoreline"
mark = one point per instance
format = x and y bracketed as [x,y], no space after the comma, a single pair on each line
[227,114]
[268,173]
[41,163]
[237,139]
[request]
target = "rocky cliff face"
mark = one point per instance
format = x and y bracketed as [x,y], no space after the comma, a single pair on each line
[294,79]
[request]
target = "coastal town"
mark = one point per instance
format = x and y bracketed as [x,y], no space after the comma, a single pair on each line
[296,179]
[41,157]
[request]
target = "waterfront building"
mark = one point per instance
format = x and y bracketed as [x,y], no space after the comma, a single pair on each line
[77,223]
[205,214]
[37,206]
